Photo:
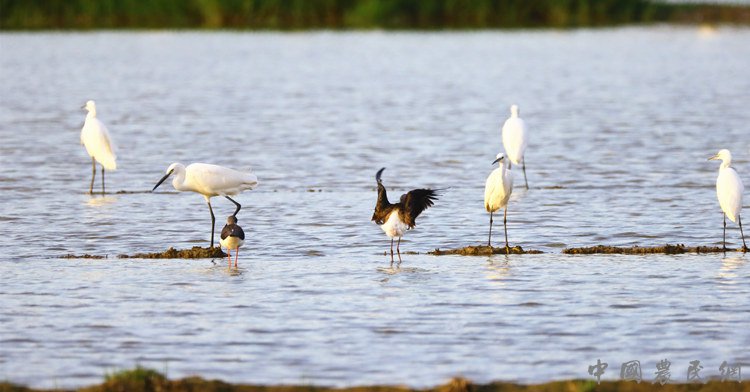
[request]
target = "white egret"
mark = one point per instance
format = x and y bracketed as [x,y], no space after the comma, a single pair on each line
[232,237]
[95,137]
[497,192]
[515,139]
[396,219]
[729,190]
[210,180]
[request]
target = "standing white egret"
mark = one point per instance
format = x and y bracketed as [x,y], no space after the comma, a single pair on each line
[210,180]
[515,139]
[232,237]
[396,219]
[497,192]
[95,137]
[729,190]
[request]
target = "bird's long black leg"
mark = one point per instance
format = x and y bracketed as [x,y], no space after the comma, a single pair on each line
[524,174]
[391,250]
[236,204]
[102,180]
[744,246]
[93,175]
[213,222]
[505,224]
[724,239]
[489,239]
[398,249]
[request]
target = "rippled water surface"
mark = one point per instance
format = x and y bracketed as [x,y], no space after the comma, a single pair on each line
[621,123]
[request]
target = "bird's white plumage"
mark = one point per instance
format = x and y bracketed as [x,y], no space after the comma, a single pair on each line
[232,242]
[393,226]
[95,137]
[729,187]
[514,136]
[211,180]
[498,188]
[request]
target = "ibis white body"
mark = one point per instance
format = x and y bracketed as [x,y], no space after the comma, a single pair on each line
[95,137]
[394,227]
[211,180]
[729,187]
[514,136]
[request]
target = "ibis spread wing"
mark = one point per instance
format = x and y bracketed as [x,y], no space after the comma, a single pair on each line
[414,202]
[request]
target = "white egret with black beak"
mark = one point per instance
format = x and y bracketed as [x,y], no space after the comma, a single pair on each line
[497,192]
[729,190]
[95,137]
[515,139]
[210,180]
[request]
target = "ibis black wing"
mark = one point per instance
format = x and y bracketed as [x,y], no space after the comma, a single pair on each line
[383,208]
[232,231]
[414,202]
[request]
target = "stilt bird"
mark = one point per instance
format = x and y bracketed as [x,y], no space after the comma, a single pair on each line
[232,237]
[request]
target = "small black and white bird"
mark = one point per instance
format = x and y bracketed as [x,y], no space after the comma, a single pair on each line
[232,237]
[396,219]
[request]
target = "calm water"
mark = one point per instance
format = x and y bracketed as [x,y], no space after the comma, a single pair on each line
[621,124]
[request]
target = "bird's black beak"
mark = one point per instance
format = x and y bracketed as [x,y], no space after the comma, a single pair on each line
[162,180]
[83,106]
[497,160]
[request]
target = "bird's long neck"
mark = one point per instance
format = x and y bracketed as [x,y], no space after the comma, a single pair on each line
[178,182]
[382,197]
[91,114]
[725,163]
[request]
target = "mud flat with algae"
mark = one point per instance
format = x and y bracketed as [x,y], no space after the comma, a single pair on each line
[645,250]
[147,380]
[195,252]
[483,250]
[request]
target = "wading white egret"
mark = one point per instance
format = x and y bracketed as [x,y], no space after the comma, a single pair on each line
[515,139]
[232,237]
[497,192]
[729,190]
[396,219]
[95,137]
[210,180]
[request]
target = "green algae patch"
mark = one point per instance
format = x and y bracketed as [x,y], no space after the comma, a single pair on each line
[483,250]
[645,250]
[138,379]
[195,252]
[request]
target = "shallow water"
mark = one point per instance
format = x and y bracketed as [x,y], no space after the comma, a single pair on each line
[620,135]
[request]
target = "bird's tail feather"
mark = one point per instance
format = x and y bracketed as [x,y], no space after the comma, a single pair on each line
[109,162]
